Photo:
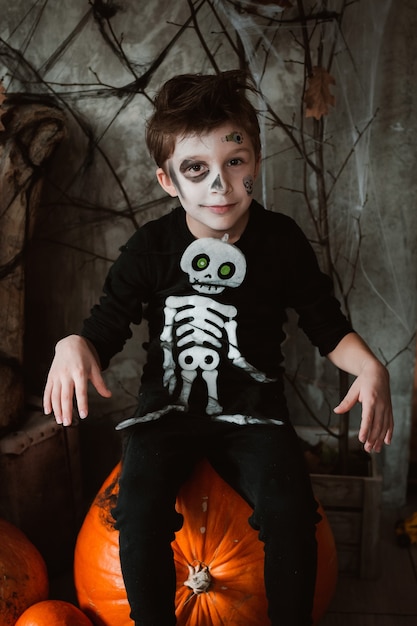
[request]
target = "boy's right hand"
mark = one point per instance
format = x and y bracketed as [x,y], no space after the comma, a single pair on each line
[74,364]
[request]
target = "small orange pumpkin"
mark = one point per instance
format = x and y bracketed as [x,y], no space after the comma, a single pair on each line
[218,558]
[53,613]
[23,574]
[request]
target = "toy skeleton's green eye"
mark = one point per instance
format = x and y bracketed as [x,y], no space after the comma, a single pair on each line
[201,262]
[226,270]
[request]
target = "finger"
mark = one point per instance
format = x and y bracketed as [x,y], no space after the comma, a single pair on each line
[388,436]
[81,397]
[67,396]
[56,407]
[365,429]
[373,444]
[99,383]
[385,435]
[46,401]
[378,428]
[381,434]
[348,402]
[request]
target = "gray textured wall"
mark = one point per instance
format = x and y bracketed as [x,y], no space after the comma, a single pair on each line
[102,185]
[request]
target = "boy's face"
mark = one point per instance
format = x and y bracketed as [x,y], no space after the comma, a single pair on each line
[213,176]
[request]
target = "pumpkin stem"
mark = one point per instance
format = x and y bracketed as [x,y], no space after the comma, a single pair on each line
[199,579]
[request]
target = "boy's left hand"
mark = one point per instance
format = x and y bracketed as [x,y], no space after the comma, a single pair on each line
[371,389]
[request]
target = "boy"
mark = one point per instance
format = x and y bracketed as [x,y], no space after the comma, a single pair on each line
[216,276]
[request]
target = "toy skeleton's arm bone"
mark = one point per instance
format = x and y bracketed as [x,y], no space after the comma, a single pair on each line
[169,379]
[236,357]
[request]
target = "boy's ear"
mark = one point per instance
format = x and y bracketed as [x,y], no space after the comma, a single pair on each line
[166,183]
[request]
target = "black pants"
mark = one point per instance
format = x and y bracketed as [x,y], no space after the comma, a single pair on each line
[263,463]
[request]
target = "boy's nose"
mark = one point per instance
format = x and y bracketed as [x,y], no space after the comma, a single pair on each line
[219,184]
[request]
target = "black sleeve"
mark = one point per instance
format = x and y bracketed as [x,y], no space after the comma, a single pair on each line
[124,291]
[311,296]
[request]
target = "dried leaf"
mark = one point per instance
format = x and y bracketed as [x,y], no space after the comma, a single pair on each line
[2,99]
[317,97]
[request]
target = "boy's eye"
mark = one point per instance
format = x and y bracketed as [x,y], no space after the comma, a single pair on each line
[197,168]
[192,169]
[234,162]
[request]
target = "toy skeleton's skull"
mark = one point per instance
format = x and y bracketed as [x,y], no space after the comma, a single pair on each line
[213,264]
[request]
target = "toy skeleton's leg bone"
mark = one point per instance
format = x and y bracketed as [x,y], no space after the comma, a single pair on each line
[236,357]
[188,378]
[213,407]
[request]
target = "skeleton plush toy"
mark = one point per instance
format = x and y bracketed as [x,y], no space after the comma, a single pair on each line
[199,326]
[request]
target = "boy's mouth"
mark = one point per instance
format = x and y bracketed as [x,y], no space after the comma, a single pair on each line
[219,209]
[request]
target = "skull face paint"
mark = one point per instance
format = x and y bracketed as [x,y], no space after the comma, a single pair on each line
[217,184]
[206,173]
[174,179]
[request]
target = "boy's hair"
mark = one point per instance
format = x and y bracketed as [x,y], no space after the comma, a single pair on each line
[195,104]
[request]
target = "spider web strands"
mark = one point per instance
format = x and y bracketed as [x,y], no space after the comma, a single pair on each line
[399,308]
[311,145]
[129,90]
[63,47]
[26,42]
[8,52]
[264,46]
[99,214]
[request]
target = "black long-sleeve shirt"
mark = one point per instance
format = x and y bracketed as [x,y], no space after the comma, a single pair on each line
[215,313]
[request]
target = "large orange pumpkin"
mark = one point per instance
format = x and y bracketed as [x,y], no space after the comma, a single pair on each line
[23,574]
[218,559]
[53,613]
